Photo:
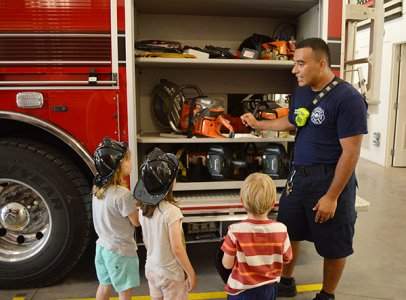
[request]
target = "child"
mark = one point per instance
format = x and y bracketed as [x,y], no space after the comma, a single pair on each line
[257,248]
[167,261]
[114,216]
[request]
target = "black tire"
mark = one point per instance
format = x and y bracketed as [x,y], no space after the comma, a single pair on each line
[66,192]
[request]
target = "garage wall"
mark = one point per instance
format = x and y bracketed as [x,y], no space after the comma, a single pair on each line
[378,120]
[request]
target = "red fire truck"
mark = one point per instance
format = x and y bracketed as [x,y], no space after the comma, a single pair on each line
[69,77]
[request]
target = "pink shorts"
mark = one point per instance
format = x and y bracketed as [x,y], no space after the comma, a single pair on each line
[169,289]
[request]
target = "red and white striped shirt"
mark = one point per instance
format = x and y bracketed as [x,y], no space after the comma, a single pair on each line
[260,248]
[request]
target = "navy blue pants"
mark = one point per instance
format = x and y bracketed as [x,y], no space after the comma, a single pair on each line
[332,239]
[265,292]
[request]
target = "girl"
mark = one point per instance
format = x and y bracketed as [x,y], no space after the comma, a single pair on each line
[114,216]
[167,261]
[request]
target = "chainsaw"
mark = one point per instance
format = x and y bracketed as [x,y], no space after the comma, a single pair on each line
[278,50]
[264,109]
[198,115]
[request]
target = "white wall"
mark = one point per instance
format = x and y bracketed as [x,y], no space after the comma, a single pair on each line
[378,120]
[309,24]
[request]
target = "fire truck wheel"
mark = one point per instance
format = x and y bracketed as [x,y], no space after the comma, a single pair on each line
[44,214]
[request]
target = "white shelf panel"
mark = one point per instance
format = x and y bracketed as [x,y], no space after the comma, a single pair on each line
[220,201]
[228,203]
[213,63]
[177,139]
[216,185]
[235,214]
[233,8]
[215,218]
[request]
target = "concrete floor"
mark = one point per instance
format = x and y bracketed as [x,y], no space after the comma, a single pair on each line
[377,270]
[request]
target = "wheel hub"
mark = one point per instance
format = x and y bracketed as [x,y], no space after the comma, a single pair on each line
[25,221]
[14,216]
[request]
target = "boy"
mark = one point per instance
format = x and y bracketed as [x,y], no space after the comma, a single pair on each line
[257,248]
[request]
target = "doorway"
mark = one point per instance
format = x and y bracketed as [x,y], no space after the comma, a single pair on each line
[399,113]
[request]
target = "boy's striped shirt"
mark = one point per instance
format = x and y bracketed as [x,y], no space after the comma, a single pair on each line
[260,247]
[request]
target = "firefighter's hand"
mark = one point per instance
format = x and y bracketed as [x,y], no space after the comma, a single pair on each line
[248,119]
[325,209]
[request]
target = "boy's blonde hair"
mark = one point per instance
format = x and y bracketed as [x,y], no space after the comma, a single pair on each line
[258,193]
[116,179]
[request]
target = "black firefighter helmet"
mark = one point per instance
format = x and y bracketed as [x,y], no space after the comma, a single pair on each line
[107,157]
[157,173]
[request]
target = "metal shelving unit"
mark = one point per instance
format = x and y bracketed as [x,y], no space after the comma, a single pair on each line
[216,185]
[216,77]
[179,139]
[213,63]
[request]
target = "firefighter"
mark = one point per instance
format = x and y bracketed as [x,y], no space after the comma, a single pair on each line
[318,203]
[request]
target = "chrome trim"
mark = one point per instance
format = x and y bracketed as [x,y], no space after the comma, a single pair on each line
[14,216]
[54,62]
[214,218]
[55,34]
[22,102]
[129,9]
[62,135]
[72,82]
[114,38]
[40,221]
[33,88]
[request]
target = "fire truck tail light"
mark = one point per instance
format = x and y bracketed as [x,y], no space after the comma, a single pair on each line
[30,100]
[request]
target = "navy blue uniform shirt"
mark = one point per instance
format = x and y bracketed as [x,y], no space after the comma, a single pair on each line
[339,114]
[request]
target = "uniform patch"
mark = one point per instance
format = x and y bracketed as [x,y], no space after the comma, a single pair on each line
[318,116]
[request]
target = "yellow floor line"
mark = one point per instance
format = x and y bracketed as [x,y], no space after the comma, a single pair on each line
[303,288]
[18,298]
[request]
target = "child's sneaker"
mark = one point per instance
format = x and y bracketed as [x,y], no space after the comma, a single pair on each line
[324,296]
[287,287]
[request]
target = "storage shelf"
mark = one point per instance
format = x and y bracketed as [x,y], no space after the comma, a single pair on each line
[209,201]
[179,139]
[222,203]
[216,185]
[231,8]
[214,63]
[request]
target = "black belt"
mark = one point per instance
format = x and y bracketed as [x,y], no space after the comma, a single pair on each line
[313,169]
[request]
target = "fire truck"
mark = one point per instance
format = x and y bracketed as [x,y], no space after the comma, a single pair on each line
[69,77]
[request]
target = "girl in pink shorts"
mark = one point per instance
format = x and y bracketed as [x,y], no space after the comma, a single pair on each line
[168,270]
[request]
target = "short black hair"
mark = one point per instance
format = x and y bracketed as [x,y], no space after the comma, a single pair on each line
[317,45]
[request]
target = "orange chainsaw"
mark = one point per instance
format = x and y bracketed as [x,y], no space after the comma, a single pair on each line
[264,109]
[205,119]
[198,115]
[273,114]
[278,50]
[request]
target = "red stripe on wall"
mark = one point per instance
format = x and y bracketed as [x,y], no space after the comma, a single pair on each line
[335,9]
